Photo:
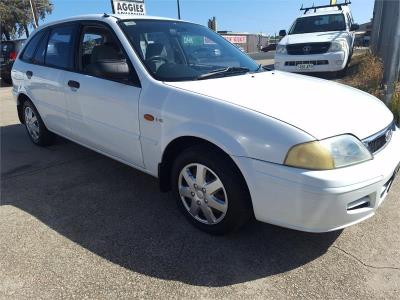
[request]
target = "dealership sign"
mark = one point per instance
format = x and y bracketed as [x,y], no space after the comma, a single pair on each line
[128,7]
[236,39]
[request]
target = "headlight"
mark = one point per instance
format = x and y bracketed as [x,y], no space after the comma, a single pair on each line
[332,153]
[337,46]
[281,49]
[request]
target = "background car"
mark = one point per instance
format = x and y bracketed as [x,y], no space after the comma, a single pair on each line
[320,40]
[270,47]
[8,54]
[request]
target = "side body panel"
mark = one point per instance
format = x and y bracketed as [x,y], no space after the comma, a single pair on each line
[235,130]
[104,115]
[46,91]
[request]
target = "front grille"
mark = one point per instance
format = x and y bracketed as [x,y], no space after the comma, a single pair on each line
[377,144]
[379,140]
[308,48]
[308,62]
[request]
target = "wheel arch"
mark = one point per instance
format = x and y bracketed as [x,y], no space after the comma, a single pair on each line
[177,146]
[22,97]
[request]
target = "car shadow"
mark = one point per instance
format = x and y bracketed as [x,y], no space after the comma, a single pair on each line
[119,214]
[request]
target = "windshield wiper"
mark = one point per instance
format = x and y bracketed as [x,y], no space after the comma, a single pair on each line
[224,71]
[262,67]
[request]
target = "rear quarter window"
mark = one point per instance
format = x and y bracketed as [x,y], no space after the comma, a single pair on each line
[41,50]
[29,51]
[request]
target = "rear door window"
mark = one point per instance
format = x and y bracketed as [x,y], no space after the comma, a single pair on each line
[59,52]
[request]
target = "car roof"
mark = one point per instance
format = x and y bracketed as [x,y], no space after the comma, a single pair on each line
[102,17]
[325,11]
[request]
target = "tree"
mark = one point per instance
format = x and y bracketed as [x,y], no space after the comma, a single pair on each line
[16,16]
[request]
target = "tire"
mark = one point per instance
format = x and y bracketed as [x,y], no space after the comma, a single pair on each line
[34,125]
[227,198]
[7,80]
[342,73]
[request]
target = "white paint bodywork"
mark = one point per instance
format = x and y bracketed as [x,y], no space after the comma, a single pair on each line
[347,36]
[255,118]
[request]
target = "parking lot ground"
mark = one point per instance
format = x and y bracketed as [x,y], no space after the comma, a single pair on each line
[264,58]
[75,224]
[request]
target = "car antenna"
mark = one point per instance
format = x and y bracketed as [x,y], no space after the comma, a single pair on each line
[106,15]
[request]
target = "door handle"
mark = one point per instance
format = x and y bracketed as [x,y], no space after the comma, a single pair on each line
[74,84]
[29,74]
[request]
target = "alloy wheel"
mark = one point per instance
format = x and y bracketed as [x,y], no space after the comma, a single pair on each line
[32,123]
[203,194]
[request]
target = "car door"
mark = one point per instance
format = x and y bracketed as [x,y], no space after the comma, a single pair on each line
[102,109]
[45,73]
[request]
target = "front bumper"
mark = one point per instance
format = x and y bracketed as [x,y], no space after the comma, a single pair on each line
[336,61]
[320,201]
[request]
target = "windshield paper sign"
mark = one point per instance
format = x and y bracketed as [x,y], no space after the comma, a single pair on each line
[236,39]
[129,7]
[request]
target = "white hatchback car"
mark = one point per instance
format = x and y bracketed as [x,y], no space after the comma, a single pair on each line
[320,40]
[179,102]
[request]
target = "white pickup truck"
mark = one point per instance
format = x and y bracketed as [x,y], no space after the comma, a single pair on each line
[320,40]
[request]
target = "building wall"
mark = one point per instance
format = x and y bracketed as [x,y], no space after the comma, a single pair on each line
[249,42]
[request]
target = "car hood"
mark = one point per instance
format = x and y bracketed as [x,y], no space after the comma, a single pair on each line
[314,37]
[319,107]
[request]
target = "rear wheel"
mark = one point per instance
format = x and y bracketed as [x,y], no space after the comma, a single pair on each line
[210,190]
[34,125]
[7,79]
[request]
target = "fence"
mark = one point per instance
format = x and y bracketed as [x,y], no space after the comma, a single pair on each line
[385,42]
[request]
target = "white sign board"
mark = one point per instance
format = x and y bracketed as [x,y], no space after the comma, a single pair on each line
[128,7]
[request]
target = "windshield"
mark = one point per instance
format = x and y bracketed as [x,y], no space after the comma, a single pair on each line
[179,51]
[334,22]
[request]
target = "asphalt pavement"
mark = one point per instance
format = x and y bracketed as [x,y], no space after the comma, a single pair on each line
[75,224]
[264,58]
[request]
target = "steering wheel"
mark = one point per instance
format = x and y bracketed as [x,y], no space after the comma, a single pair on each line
[157,58]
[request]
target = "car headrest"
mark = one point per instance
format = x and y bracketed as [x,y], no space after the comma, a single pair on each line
[154,50]
[104,52]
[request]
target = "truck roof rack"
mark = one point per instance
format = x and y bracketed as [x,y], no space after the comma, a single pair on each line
[338,5]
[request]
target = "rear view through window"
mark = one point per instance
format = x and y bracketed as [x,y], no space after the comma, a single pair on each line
[31,47]
[178,51]
[59,48]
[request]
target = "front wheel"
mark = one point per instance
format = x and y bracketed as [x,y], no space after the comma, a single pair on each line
[342,73]
[210,190]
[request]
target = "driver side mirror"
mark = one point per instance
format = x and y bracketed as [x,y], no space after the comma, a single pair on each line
[282,33]
[354,27]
